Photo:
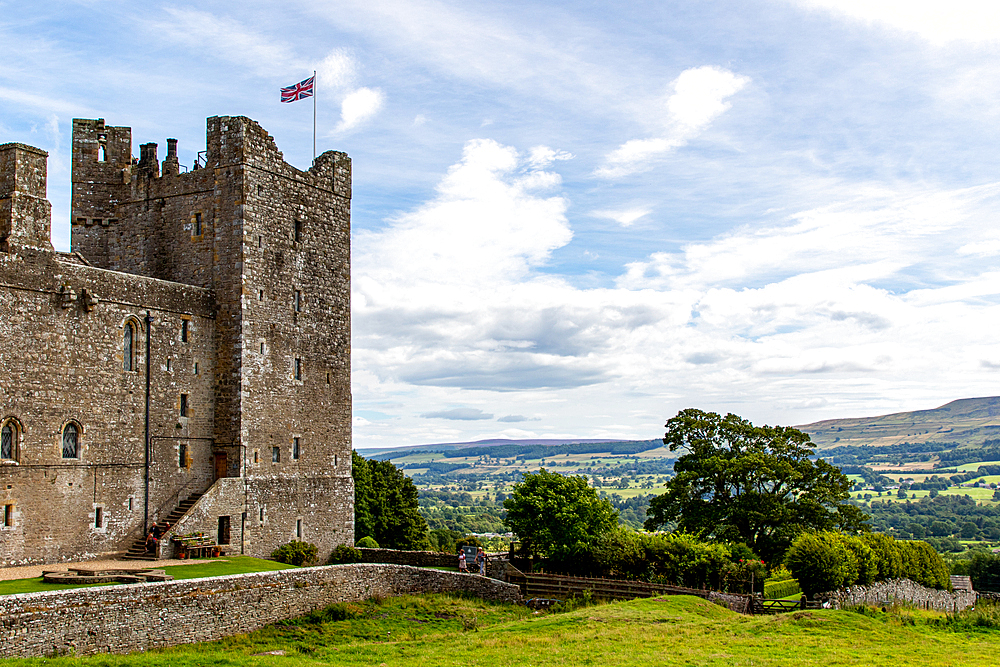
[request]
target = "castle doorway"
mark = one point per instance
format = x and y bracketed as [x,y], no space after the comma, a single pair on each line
[221,465]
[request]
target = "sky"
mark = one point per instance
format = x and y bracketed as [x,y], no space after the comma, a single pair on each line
[575,219]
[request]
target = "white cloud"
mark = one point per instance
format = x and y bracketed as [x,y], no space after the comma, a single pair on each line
[230,40]
[624,217]
[698,98]
[938,22]
[335,72]
[543,156]
[359,106]
[458,414]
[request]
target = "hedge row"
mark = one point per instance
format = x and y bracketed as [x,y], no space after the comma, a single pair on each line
[781,589]
[826,561]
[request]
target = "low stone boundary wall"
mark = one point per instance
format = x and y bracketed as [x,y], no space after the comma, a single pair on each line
[906,591]
[415,558]
[137,617]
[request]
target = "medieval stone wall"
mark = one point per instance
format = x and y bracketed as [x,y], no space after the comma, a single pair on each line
[138,617]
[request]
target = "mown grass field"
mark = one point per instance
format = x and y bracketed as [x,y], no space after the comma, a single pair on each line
[439,630]
[192,570]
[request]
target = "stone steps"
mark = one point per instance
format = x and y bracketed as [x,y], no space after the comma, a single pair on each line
[138,549]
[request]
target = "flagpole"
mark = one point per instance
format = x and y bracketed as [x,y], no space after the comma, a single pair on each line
[314,115]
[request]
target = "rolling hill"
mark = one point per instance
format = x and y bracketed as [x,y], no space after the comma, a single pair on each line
[967,422]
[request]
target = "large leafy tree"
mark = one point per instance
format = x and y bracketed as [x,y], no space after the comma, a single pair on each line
[385,506]
[552,513]
[752,484]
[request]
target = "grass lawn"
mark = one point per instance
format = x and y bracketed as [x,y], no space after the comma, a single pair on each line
[436,630]
[194,570]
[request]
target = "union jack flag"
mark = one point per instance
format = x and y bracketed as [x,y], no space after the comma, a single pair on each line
[299,91]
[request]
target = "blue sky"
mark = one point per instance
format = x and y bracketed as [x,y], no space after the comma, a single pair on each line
[575,219]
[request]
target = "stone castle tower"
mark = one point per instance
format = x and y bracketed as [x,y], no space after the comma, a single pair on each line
[197,344]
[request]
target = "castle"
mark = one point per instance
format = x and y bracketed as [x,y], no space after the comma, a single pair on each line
[190,358]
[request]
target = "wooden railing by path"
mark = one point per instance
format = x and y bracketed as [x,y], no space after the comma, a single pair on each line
[558,586]
[561,586]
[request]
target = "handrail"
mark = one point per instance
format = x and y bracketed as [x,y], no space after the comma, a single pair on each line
[171,502]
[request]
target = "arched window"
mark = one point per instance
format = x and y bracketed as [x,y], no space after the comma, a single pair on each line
[128,347]
[71,441]
[9,437]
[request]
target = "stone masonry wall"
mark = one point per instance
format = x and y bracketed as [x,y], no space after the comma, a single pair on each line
[138,617]
[905,591]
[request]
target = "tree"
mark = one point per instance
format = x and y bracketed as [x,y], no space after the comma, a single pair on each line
[550,512]
[385,506]
[752,484]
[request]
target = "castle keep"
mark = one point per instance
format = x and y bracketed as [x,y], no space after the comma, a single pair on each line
[191,355]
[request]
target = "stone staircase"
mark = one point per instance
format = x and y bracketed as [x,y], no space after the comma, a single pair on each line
[138,549]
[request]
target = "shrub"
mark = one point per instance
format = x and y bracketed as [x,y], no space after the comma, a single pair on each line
[821,562]
[345,553]
[367,542]
[924,565]
[888,557]
[296,553]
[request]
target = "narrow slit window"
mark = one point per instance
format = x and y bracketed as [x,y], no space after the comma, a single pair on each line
[297,231]
[128,344]
[295,448]
[184,405]
[260,296]
[328,378]
[256,457]
[298,528]
[130,504]
[168,363]
[185,325]
[8,516]
[197,224]
[298,368]
[98,517]
[334,460]
[262,515]
[275,454]
[262,348]
[182,456]
[196,368]
[298,301]
[260,241]
[70,442]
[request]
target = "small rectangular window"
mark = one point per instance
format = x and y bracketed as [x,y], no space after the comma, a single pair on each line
[260,241]
[197,224]
[262,515]
[184,330]
[298,368]
[130,504]
[184,405]
[196,368]
[328,378]
[275,454]
[8,516]
[168,363]
[260,295]
[295,448]
[98,517]
[298,301]
[298,528]
[182,456]
[262,348]
[256,457]
[297,232]
[334,460]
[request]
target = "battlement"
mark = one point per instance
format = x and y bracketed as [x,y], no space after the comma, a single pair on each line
[25,214]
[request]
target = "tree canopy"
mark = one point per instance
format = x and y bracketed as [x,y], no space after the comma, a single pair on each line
[550,512]
[385,506]
[753,484]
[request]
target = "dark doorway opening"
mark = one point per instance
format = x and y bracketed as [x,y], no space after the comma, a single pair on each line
[223,530]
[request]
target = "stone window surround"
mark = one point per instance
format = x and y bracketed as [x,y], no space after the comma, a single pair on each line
[79,440]
[17,434]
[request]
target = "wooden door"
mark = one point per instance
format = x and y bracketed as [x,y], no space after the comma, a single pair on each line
[221,465]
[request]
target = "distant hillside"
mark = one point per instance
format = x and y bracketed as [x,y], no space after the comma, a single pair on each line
[966,422]
[496,442]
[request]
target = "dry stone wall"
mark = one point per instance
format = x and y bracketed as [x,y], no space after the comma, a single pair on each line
[138,617]
[903,591]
